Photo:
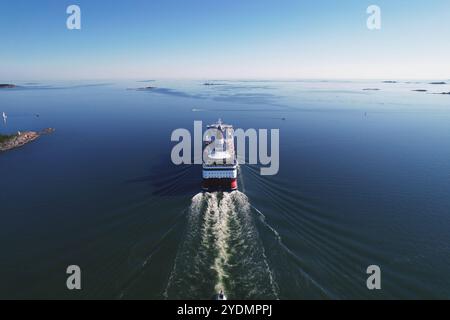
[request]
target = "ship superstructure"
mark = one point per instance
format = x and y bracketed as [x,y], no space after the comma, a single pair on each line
[219,158]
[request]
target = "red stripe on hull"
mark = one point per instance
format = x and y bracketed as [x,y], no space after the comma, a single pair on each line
[219,184]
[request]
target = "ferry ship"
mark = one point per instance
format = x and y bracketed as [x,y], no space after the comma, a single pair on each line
[219,160]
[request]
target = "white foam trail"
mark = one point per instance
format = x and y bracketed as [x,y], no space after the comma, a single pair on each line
[209,218]
[244,205]
[196,204]
[222,249]
[222,233]
[193,217]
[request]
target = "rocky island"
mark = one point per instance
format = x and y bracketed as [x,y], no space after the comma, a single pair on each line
[8,142]
[7,86]
[444,93]
[146,88]
[212,84]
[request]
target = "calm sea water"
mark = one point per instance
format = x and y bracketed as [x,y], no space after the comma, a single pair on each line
[364,179]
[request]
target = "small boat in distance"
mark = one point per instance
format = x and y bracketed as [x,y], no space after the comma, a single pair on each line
[5,117]
[220,296]
[219,160]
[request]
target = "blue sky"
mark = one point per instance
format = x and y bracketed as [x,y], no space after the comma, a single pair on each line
[216,39]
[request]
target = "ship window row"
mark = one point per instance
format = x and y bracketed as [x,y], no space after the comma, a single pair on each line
[219,175]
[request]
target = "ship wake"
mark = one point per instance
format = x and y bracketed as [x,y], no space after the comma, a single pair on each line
[221,251]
